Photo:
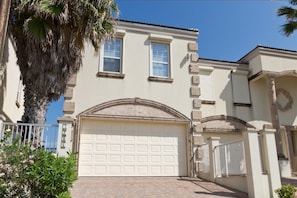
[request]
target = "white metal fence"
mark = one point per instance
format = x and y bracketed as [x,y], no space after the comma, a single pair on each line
[44,135]
[229,159]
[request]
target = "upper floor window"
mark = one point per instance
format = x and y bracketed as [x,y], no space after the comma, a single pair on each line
[160,60]
[112,56]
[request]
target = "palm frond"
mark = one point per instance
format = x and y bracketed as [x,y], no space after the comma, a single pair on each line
[289,28]
[288,12]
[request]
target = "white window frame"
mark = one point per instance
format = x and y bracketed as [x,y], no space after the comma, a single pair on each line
[103,56]
[120,33]
[161,40]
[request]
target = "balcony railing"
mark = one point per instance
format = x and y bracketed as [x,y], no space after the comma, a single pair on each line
[230,159]
[44,135]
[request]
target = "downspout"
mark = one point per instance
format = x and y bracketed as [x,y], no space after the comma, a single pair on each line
[4,16]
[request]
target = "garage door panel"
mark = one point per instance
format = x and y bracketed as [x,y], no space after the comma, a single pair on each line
[100,147]
[101,158]
[142,148]
[100,170]
[129,159]
[115,170]
[85,169]
[86,147]
[155,148]
[129,170]
[132,149]
[129,148]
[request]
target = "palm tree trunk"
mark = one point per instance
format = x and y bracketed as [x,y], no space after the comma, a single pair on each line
[35,106]
[4,15]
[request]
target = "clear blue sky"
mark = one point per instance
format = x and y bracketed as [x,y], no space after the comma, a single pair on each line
[228,28]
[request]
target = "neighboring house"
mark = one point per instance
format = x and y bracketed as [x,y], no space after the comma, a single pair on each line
[146,104]
[11,93]
[258,91]
[11,87]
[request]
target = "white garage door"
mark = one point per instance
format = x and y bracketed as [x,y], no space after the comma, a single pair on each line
[132,149]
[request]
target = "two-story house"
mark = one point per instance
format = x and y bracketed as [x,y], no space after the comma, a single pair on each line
[135,104]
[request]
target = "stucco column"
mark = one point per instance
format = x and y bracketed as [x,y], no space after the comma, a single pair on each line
[290,146]
[65,143]
[272,161]
[212,143]
[274,114]
[253,164]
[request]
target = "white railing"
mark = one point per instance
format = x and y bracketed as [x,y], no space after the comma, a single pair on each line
[229,159]
[44,135]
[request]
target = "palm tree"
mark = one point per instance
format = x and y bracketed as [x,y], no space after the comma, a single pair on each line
[290,12]
[50,37]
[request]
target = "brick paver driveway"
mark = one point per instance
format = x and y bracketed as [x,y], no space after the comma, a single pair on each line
[93,187]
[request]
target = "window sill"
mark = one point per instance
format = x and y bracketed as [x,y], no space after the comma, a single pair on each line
[110,75]
[158,79]
[210,102]
[242,104]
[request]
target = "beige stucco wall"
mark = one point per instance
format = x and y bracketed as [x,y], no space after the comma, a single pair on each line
[260,103]
[91,90]
[278,63]
[223,96]
[255,65]
[10,86]
[288,83]
[270,59]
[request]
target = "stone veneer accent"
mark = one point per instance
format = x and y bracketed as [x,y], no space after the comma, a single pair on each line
[68,107]
[72,81]
[196,103]
[194,68]
[195,80]
[193,47]
[196,115]
[68,93]
[197,129]
[195,91]
[194,58]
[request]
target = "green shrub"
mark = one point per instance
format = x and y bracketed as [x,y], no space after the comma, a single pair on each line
[27,171]
[287,191]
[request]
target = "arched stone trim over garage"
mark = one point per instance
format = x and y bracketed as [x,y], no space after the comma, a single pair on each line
[223,123]
[135,108]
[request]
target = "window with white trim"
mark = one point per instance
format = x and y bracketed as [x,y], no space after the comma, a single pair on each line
[112,56]
[160,64]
